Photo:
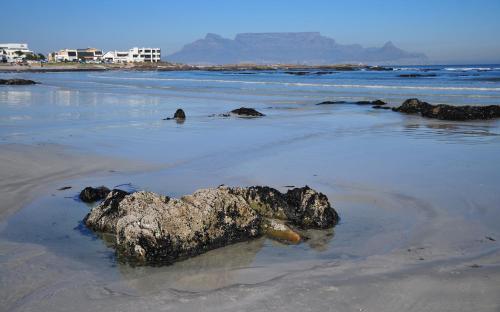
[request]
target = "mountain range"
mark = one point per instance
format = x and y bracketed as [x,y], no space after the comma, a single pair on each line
[307,48]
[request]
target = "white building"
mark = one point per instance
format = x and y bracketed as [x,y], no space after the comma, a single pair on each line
[14,52]
[73,55]
[134,55]
[65,55]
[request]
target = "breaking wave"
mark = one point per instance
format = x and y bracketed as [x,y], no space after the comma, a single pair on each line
[307,84]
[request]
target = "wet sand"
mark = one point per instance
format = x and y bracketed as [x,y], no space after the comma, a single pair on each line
[31,170]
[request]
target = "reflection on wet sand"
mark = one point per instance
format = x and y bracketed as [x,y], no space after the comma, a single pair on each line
[219,268]
[215,269]
[452,132]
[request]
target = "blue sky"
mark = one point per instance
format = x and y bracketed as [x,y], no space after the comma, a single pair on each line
[448,31]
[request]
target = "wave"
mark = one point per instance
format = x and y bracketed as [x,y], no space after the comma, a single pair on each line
[307,84]
[470,69]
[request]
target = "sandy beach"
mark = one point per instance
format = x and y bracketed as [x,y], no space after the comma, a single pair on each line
[417,197]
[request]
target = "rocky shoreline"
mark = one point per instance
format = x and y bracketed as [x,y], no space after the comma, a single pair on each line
[448,112]
[165,66]
[152,229]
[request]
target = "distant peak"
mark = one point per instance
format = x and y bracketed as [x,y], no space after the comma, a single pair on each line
[212,36]
[389,44]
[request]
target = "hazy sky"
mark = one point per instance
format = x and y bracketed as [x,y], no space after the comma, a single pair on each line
[446,30]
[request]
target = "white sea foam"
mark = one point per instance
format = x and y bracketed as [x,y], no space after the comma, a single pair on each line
[468,68]
[307,84]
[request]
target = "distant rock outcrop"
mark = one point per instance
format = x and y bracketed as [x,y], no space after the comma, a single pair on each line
[308,48]
[17,82]
[448,112]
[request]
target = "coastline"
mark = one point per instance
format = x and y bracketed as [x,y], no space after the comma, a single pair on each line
[163,66]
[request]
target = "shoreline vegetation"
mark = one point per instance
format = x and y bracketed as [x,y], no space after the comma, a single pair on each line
[165,66]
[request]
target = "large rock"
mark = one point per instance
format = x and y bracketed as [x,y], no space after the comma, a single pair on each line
[448,112]
[155,229]
[17,82]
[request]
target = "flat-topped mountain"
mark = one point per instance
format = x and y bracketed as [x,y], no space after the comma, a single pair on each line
[309,48]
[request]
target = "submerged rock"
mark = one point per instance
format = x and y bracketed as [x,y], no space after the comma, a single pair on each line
[155,229]
[448,112]
[376,102]
[331,102]
[380,107]
[416,75]
[17,82]
[93,194]
[245,111]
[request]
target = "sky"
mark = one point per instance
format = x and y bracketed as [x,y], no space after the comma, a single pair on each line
[448,31]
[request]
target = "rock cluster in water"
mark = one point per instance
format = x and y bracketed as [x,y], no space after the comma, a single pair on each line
[17,82]
[448,112]
[153,229]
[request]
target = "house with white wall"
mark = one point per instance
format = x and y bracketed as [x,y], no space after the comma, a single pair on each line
[134,55]
[14,52]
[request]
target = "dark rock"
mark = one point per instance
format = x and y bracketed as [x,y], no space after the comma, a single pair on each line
[154,229]
[416,75]
[376,102]
[93,194]
[17,82]
[380,68]
[244,111]
[332,102]
[297,73]
[179,115]
[304,73]
[380,107]
[448,112]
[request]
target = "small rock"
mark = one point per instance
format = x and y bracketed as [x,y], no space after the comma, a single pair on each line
[179,115]
[17,82]
[93,194]
[376,102]
[244,111]
[331,102]
[64,188]
[416,75]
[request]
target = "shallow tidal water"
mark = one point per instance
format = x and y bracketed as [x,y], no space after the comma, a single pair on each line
[399,182]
